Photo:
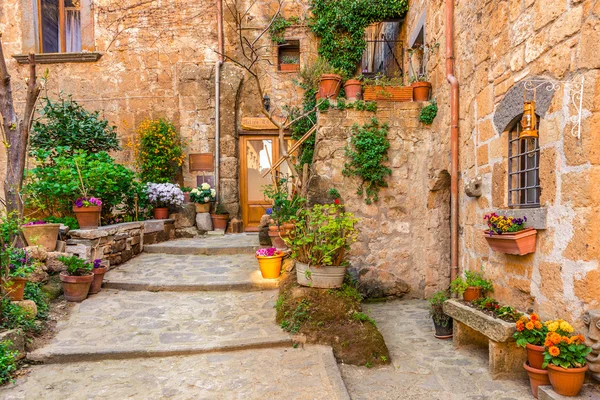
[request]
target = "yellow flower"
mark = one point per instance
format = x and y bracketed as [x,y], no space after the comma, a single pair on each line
[553,326]
[566,327]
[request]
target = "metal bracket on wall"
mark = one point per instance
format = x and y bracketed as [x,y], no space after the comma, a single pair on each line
[575,94]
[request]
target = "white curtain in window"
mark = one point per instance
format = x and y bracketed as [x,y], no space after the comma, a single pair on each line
[73,31]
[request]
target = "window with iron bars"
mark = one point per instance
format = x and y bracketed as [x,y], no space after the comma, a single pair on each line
[523,170]
[384,53]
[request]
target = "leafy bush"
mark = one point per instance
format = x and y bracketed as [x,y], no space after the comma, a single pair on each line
[10,226]
[69,221]
[368,153]
[8,361]
[52,187]
[34,293]
[76,266]
[159,152]
[277,29]
[65,124]
[14,316]
[285,204]
[428,113]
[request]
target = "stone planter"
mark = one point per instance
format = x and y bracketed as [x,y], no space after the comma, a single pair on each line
[76,288]
[270,267]
[96,285]
[160,212]
[390,93]
[16,288]
[320,277]
[537,378]
[202,207]
[567,382]
[88,217]
[329,86]
[472,293]
[44,235]
[535,356]
[353,89]
[219,221]
[518,243]
[421,91]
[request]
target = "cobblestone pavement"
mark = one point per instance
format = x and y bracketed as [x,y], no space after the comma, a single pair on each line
[210,245]
[118,324]
[188,272]
[423,367]
[262,374]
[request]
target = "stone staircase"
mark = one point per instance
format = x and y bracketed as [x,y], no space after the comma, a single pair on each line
[190,302]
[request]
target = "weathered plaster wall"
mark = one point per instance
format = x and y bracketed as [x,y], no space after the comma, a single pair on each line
[498,44]
[404,239]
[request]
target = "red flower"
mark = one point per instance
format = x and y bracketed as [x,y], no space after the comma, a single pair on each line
[336,201]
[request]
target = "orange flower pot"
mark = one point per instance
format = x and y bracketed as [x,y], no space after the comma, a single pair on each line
[16,288]
[390,93]
[289,67]
[537,377]
[535,356]
[202,207]
[270,267]
[518,243]
[44,235]
[76,288]
[277,234]
[88,217]
[353,89]
[329,86]
[566,381]
[472,293]
[96,285]
[219,221]
[160,213]
[421,91]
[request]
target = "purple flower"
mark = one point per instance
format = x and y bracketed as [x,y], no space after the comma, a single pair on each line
[85,202]
[267,252]
[97,263]
[269,211]
[38,222]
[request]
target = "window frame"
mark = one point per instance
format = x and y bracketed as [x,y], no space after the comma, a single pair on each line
[526,149]
[61,26]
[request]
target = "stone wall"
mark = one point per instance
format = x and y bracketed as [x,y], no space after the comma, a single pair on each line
[404,237]
[499,44]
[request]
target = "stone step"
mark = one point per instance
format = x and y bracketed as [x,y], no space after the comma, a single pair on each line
[180,273]
[241,243]
[283,373]
[124,324]
[589,391]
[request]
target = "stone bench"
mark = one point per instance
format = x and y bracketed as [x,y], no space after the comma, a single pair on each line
[473,327]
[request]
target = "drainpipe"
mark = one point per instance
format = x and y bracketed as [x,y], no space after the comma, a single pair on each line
[453,136]
[221,51]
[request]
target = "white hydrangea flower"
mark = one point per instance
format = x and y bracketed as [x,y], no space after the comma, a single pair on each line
[205,186]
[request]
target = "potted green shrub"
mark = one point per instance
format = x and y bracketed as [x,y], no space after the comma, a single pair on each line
[283,212]
[17,265]
[202,197]
[472,286]
[77,278]
[443,323]
[41,233]
[321,237]
[163,196]
[289,64]
[220,217]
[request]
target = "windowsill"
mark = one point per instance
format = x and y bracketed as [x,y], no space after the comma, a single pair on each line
[59,58]
[536,217]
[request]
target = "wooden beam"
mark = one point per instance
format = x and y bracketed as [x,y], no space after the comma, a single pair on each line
[291,150]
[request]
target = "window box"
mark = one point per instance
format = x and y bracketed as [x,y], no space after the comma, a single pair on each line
[289,67]
[518,243]
[390,93]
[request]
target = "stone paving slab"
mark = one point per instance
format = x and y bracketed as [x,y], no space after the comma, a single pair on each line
[589,391]
[284,373]
[169,272]
[241,243]
[123,324]
[423,367]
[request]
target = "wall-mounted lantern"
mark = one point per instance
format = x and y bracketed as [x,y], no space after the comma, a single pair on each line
[529,120]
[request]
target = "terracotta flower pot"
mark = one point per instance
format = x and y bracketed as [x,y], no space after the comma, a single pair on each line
[472,293]
[202,207]
[567,382]
[353,89]
[270,267]
[535,355]
[44,235]
[329,86]
[160,212]
[186,197]
[518,243]
[98,278]
[537,377]
[277,234]
[320,277]
[16,288]
[88,217]
[444,332]
[421,91]
[76,288]
[219,221]
[389,93]
[289,67]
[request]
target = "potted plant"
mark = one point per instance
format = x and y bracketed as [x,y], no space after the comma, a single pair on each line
[353,89]
[508,235]
[565,357]
[419,80]
[98,270]
[289,64]
[87,210]
[269,262]
[41,233]
[531,334]
[319,241]
[77,278]
[384,88]
[17,266]
[162,196]
[186,194]
[220,217]
[202,197]
[472,287]
[443,323]
[283,212]
[330,80]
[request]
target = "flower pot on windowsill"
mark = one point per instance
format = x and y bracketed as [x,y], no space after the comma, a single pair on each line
[320,277]
[88,217]
[389,93]
[44,235]
[289,67]
[421,91]
[329,86]
[353,89]
[517,243]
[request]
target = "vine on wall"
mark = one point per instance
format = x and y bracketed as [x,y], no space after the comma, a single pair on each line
[368,154]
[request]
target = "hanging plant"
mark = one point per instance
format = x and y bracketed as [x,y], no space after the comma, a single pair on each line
[428,113]
[368,153]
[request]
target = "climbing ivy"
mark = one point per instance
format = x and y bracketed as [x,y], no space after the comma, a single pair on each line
[340,24]
[368,153]
[428,113]
[277,29]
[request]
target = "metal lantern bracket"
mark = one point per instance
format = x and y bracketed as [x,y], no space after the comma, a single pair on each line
[575,96]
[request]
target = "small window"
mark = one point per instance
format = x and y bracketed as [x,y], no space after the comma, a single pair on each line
[59,26]
[383,54]
[523,170]
[288,56]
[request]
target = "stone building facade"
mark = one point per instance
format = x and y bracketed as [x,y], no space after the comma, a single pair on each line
[159,61]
